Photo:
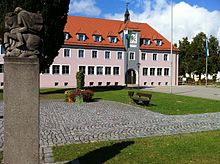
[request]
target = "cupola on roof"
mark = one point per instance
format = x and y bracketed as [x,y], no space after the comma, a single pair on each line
[127,14]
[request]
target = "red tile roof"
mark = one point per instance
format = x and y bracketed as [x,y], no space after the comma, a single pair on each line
[106,28]
[81,31]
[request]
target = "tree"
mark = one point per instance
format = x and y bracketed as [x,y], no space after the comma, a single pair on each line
[214,56]
[54,13]
[185,58]
[198,52]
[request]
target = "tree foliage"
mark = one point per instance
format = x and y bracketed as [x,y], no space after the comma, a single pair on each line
[54,13]
[185,57]
[193,55]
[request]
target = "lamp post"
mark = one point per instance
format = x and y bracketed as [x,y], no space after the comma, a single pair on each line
[138,64]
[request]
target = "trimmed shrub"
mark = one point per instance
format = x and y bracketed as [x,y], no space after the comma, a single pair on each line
[80,79]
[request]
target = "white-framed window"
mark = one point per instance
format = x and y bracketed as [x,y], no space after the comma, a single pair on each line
[91,70]
[112,39]
[115,70]
[166,71]
[159,71]
[94,54]
[145,71]
[152,71]
[108,71]
[81,53]
[65,69]
[107,55]
[165,57]
[82,69]
[66,52]
[66,35]
[131,55]
[154,56]
[158,42]
[81,37]
[99,70]
[97,38]
[1,68]
[119,55]
[146,41]
[143,56]
[55,69]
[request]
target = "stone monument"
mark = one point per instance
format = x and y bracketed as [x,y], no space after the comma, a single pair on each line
[23,44]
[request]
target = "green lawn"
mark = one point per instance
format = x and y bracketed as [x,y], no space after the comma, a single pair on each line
[166,103]
[196,148]
[161,102]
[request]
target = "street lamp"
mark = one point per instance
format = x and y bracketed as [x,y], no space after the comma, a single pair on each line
[138,64]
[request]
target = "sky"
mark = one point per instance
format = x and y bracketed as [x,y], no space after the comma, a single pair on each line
[189,16]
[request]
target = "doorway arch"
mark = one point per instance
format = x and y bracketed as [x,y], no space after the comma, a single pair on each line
[131,77]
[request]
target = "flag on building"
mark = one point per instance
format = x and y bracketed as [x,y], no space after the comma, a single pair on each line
[127,34]
[206,47]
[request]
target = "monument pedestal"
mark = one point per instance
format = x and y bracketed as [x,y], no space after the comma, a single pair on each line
[21,110]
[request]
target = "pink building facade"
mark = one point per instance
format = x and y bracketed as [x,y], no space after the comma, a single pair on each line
[110,53]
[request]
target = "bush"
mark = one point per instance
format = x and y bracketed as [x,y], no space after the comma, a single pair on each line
[80,79]
[67,93]
[73,95]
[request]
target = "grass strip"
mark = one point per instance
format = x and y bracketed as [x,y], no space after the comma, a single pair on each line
[203,148]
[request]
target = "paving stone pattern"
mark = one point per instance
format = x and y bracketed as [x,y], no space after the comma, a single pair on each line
[64,123]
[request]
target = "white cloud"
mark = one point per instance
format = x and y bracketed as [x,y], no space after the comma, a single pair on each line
[187,20]
[87,7]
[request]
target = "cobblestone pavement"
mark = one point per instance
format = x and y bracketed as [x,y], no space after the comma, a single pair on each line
[63,123]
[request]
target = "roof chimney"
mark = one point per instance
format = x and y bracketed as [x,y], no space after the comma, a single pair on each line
[127,14]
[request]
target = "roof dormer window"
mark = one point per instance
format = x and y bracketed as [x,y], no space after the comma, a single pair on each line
[97,38]
[146,42]
[112,39]
[81,37]
[158,42]
[66,35]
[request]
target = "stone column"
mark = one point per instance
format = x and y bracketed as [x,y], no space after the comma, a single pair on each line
[21,110]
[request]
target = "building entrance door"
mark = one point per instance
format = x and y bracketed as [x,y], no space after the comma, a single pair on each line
[131,77]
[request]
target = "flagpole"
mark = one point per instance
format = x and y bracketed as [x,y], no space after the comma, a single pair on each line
[171,49]
[206,70]
[206,65]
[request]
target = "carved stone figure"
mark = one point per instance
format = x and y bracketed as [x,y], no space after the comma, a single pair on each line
[23,33]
